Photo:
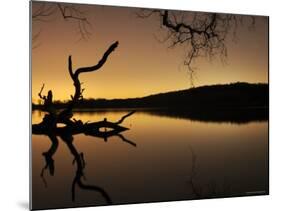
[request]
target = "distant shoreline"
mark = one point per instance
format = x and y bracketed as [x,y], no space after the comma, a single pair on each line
[161,109]
[228,96]
[220,115]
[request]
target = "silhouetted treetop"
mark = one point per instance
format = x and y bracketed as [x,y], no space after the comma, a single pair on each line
[46,11]
[204,34]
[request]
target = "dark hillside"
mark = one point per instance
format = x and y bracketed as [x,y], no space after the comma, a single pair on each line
[236,95]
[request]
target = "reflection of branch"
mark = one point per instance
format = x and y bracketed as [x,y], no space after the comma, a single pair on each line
[95,188]
[78,160]
[68,139]
[49,158]
[43,178]
[116,131]
[197,193]
[126,140]
[209,190]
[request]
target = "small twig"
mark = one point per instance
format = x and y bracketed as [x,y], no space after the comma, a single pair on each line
[70,12]
[124,117]
[204,34]
[40,93]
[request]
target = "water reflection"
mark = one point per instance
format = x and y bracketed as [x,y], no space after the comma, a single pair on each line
[176,159]
[67,138]
[235,116]
[80,165]
[210,190]
[48,155]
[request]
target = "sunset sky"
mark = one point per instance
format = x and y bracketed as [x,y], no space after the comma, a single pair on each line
[140,65]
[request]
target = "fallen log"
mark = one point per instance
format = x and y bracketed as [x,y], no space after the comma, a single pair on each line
[78,127]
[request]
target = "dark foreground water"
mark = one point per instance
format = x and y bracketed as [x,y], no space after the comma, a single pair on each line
[174,159]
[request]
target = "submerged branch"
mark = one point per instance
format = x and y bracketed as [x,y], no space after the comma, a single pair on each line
[124,117]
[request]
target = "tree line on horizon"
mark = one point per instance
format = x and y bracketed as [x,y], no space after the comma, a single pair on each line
[238,94]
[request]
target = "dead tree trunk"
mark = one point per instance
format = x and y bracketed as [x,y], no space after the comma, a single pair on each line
[50,120]
[66,114]
[49,127]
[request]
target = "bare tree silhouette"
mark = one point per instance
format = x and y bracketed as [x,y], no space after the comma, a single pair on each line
[203,34]
[49,124]
[46,11]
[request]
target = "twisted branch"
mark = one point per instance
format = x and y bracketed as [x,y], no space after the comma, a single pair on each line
[204,34]
[46,12]
[66,113]
[95,67]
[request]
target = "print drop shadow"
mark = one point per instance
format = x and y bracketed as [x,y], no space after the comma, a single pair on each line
[79,161]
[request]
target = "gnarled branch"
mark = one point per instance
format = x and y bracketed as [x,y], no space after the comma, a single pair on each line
[73,13]
[203,34]
[66,113]
[47,11]
[100,63]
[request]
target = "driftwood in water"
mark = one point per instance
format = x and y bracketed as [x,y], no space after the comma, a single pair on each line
[78,127]
[50,127]
[53,117]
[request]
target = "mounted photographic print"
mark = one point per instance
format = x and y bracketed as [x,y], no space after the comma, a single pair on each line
[135,105]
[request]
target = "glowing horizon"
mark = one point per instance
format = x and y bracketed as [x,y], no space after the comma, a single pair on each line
[140,66]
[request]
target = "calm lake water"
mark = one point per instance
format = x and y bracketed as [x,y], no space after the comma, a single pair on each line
[174,159]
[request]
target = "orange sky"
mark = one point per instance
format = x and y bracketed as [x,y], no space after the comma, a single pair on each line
[140,65]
